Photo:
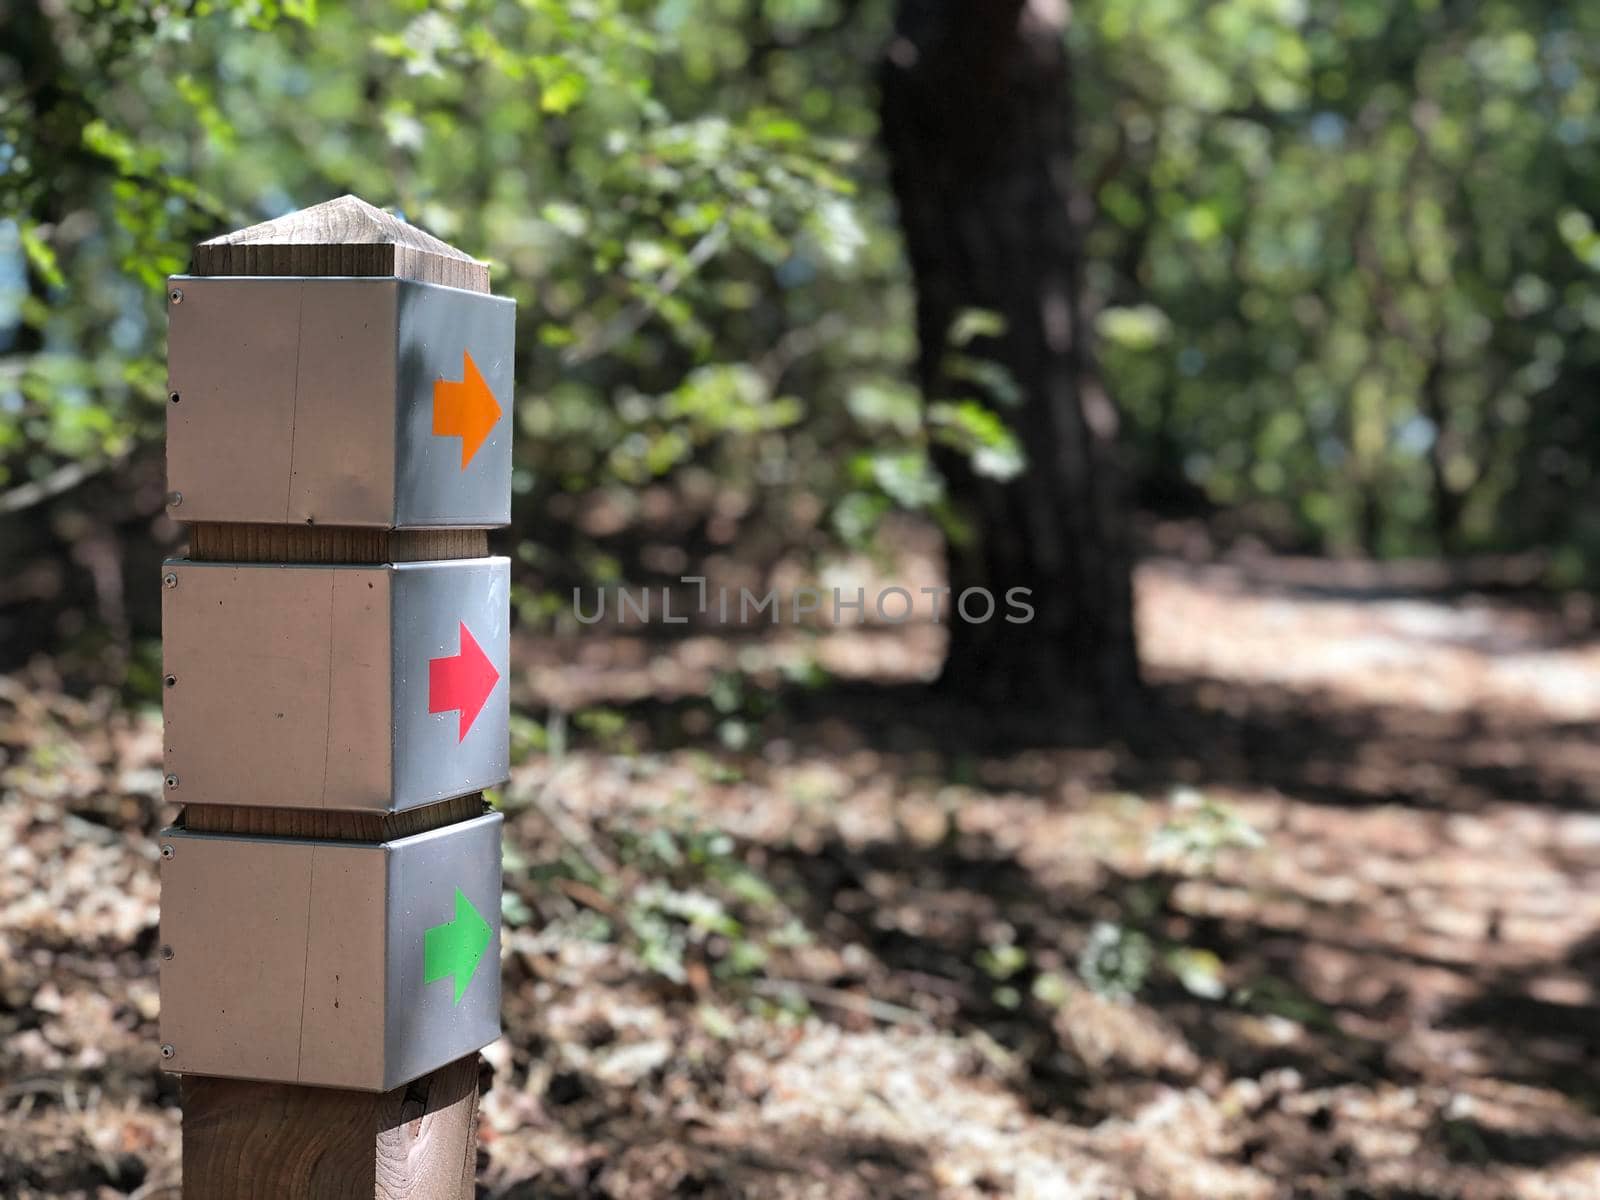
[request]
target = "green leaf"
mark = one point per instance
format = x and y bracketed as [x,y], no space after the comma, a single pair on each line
[907,478]
[558,95]
[972,323]
[41,255]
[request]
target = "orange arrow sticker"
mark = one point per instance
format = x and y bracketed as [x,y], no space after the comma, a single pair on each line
[465,409]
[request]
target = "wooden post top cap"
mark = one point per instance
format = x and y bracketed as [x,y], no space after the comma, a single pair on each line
[346,236]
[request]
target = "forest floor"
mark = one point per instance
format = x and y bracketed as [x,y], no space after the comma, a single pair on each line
[1328,926]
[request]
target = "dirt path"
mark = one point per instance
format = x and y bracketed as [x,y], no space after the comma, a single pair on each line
[797,948]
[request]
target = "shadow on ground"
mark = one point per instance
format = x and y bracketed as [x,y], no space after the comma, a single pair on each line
[1383,940]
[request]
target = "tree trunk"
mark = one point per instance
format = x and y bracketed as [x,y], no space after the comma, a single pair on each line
[977,120]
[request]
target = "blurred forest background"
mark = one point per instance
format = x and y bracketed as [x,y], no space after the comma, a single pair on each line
[1341,264]
[1318,915]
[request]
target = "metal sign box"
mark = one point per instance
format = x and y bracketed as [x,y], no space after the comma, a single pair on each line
[332,964]
[338,401]
[336,687]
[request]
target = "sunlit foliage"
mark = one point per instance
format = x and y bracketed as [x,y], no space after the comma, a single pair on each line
[1342,255]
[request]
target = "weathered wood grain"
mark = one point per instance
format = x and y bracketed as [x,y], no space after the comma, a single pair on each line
[328,824]
[346,236]
[216,542]
[273,1141]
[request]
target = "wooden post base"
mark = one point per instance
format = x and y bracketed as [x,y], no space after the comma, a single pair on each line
[270,1141]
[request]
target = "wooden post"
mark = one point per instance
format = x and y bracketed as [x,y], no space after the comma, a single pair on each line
[271,1141]
[283,1140]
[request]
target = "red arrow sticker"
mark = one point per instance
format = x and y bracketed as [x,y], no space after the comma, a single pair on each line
[465,408]
[462,682]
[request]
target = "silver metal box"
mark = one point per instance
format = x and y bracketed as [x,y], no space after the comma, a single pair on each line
[338,401]
[340,687]
[332,964]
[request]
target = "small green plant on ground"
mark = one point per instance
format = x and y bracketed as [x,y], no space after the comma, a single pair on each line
[1119,957]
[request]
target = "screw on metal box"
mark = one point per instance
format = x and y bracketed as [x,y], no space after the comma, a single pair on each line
[171,681]
[173,396]
[176,295]
[174,499]
[167,1051]
[172,781]
[170,580]
[167,851]
[166,954]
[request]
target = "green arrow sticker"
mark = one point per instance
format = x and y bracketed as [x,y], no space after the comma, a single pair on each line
[456,947]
